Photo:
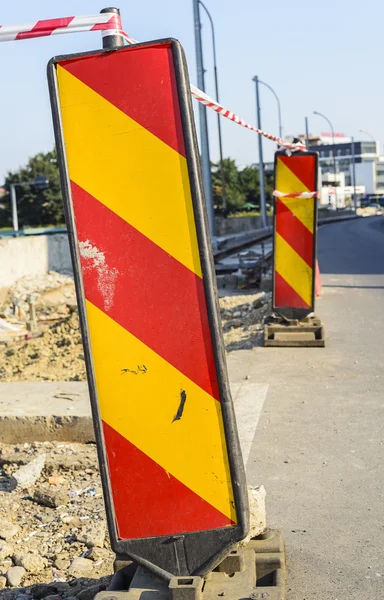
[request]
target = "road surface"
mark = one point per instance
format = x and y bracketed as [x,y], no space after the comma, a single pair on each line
[319,443]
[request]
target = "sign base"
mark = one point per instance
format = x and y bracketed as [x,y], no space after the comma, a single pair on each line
[307,333]
[255,571]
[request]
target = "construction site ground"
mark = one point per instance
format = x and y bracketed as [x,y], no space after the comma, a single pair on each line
[311,426]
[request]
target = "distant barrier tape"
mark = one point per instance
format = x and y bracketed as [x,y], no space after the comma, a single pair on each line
[110,24]
[278,194]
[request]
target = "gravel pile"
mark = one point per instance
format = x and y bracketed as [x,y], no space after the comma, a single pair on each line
[53,537]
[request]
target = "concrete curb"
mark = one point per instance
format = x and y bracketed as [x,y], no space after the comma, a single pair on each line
[45,411]
[50,411]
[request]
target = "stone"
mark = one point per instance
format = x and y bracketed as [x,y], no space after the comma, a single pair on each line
[33,563]
[51,498]
[27,475]
[93,534]
[50,590]
[3,581]
[41,590]
[97,554]
[62,562]
[5,550]
[8,530]
[23,597]
[14,576]
[90,592]
[80,566]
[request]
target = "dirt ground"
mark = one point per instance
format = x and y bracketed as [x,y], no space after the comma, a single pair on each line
[55,352]
[53,538]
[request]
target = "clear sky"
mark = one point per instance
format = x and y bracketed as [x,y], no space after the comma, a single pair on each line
[324,56]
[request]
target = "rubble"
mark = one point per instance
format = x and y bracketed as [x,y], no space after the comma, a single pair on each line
[56,354]
[14,576]
[93,534]
[56,533]
[242,319]
[50,497]
[27,475]
[7,530]
[33,563]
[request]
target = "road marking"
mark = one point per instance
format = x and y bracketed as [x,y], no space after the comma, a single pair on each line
[248,399]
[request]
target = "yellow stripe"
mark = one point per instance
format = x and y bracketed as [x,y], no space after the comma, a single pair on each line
[288,183]
[128,169]
[142,406]
[293,269]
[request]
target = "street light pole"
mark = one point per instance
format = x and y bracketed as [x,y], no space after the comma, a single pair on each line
[204,140]
[278,106]
[353,173]
[223,193]
[40,183]
[261,161]
[367,133]
[333,148]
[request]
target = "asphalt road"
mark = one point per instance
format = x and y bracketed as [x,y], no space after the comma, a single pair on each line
[319,444]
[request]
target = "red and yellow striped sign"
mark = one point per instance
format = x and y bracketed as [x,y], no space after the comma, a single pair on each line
[146,310]
[295,231]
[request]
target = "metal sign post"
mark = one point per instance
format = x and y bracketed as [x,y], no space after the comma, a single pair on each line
[170,458]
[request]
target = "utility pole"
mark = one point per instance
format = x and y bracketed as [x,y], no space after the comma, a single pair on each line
[353,173]
[204,140]
[261,161]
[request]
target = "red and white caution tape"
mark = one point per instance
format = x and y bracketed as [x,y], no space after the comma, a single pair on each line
[104,21]
[278,194]
[224,112]
[210,103]
[110,24]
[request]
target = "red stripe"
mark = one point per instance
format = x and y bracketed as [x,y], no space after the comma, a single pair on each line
[44,28]
[141,83]
[148,500]
[294,232]
[303,167]
[113,23]
[145,290]
[285,295]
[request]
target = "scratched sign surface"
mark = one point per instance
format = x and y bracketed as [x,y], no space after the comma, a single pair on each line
[152,362]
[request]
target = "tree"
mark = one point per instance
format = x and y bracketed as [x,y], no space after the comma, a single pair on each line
[249,182]
[35,207]
[241,187]
[234,194]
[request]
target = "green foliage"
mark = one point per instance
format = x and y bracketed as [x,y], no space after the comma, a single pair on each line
[35,207]
[241,188]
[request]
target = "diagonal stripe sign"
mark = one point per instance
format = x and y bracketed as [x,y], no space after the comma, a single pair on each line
[168,447]
[295,234]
